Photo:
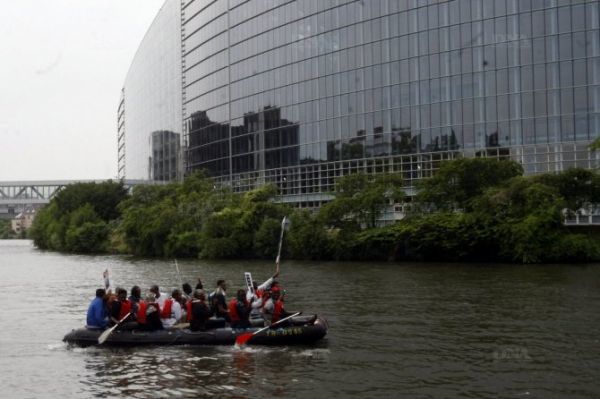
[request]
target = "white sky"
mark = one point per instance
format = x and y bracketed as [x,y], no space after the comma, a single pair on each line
[62,66]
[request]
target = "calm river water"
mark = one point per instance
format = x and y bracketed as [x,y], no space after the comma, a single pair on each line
[396,330]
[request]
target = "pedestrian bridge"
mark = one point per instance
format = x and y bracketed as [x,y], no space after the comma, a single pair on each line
[15,196]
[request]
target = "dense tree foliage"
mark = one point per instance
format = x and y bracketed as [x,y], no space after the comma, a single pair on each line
[458,182]
[6,231]
[470,210]
[360,199]
[77,219]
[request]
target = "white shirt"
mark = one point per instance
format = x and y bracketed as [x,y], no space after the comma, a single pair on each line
[264,286]
[268,309]
[161,299]
[175,315]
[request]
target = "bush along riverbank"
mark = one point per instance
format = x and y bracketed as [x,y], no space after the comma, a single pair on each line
[470,210]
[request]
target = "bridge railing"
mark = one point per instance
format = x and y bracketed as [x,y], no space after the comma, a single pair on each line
[582,220]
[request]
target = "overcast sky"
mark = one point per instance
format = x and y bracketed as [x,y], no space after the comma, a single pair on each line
[62,66]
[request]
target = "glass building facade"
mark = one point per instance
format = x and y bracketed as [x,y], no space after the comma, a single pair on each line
[149,114]
[300,92]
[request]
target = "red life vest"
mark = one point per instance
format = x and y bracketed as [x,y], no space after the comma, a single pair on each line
[165,313]
[233,313]
[125,308]
[188,308]
[141,314]
[277,311]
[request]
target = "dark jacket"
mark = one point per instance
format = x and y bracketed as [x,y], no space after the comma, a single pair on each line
[200,313]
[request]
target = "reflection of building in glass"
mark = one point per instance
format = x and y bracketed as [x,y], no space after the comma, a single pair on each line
[149,114]
[301,92]
[262,141]
[165,160]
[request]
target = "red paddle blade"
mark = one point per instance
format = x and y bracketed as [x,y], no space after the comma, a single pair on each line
[243,338]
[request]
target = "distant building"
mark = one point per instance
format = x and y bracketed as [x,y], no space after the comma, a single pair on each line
[23,221]
[299,93]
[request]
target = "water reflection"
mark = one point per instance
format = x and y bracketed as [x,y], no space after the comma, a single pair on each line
[196,372]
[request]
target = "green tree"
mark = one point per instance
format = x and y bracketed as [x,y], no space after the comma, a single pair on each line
[86,231]
[595,145]
[104,198]
[167,220]
[43,226]
[307,237]
[238,225]
[360,200]
[266,238]
[90,237]
[527,237]
[220,236]
[68,221]
[458,182]
[579,187]
[6,230]
[185,244]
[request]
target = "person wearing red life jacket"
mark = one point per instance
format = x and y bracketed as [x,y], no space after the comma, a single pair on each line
[159,297]
[170,312]
[149,315]
[119,307]
[259,298]
[142,310]
[239,311]
[274,309]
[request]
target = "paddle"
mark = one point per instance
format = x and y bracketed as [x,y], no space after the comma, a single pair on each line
[284,226]
[104,336]
[245,337]
[106,279]
[178,274]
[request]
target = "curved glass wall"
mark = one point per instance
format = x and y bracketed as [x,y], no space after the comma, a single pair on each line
[300,92]
[150,118]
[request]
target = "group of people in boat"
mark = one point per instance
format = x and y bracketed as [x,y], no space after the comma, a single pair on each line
[264,305]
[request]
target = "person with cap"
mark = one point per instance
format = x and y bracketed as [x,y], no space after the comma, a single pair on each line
[97,313]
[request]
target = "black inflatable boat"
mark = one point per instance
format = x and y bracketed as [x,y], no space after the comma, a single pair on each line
[301,330]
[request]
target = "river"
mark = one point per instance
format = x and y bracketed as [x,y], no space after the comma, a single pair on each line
[396,330]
